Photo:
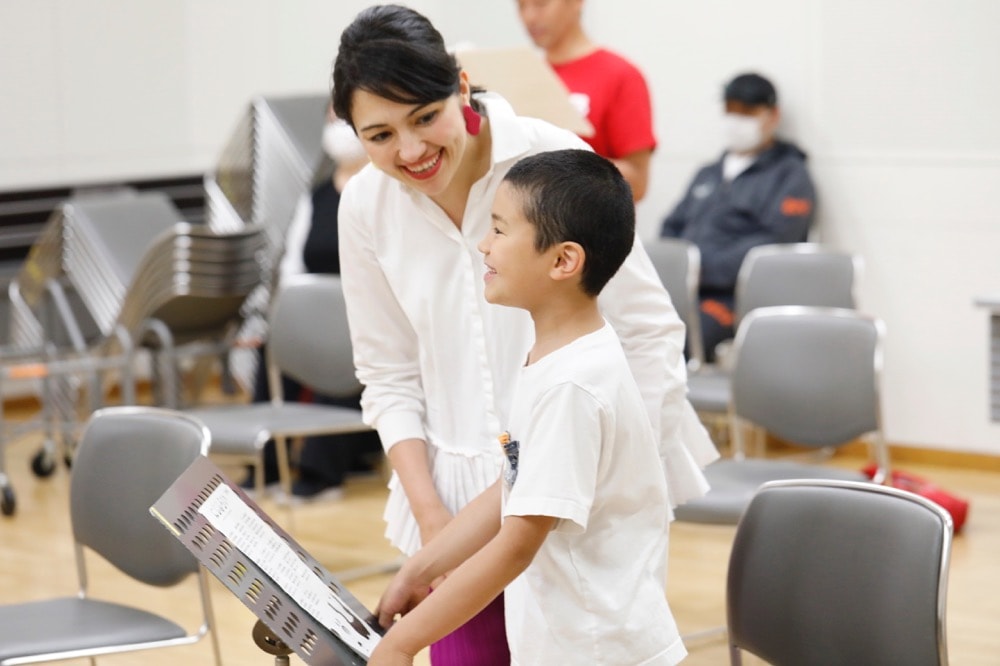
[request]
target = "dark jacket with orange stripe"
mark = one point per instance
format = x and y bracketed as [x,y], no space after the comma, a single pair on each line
[772,201]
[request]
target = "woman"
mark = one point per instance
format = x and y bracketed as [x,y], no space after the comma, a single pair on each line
[437,361]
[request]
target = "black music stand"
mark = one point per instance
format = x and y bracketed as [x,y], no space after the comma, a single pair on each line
[301,606]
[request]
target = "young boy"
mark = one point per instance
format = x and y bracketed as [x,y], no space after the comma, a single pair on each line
[575,528]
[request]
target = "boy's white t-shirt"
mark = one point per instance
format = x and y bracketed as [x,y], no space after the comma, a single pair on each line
[586,454]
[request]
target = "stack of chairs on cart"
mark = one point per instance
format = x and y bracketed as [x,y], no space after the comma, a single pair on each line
[272,158]
[119,272]
[114,273]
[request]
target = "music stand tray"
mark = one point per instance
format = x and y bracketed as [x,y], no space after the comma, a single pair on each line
[285,587]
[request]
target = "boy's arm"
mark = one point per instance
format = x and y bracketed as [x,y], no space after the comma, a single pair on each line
[467,532]
[469,589]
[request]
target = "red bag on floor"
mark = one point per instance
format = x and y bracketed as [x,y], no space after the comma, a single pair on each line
[956,506]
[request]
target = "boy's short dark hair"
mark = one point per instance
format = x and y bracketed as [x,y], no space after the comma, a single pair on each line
[578,196]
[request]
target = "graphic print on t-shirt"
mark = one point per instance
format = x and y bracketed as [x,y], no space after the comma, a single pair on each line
[511,448]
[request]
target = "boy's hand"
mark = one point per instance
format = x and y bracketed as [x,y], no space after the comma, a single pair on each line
[399,599]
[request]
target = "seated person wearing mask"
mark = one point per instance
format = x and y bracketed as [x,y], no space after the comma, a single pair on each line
[758,192]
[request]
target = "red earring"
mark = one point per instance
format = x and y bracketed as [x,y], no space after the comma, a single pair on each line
[472,120]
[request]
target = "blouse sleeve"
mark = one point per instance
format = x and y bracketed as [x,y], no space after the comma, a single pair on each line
[385,345]
[638,307]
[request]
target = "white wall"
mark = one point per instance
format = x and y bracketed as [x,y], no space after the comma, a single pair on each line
[893,99]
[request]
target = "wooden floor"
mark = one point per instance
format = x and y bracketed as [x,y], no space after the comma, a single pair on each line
[36,556]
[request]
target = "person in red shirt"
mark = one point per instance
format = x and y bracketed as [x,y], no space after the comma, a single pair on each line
[606,88]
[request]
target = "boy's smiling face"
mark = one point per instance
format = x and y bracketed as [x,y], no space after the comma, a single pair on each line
[516,273]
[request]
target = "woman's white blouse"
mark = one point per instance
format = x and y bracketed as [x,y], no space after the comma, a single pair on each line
[438,362]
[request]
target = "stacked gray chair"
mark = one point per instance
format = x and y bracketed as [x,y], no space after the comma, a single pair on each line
[130,256]
[118,270]
[104,240]
[127,458]
[188,299]
[828,572]
[273,157]
[55,343]
[147,277]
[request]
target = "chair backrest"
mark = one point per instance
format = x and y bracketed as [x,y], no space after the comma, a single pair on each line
[678,263]
[796,274]
[839,572]
[808,375]
[309,339]
[127,457]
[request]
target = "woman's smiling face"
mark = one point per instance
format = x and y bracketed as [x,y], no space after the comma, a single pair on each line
[421,145]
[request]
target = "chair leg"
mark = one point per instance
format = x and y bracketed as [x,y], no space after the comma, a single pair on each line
[718,428]
[285,479]
[284,466]
[213,630]
[258,474]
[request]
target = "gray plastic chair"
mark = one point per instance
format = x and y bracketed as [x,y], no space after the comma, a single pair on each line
[308,341]
[678,263]
[839,573]
[778,274]
[126,459]
[809,376]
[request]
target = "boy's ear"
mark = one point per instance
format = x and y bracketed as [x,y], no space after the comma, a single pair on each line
[569,260]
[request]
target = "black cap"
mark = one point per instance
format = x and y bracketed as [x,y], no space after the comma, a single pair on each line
[752,90]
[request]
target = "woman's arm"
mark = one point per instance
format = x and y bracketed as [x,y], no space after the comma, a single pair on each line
[409,459]
[386,355]
[385,344]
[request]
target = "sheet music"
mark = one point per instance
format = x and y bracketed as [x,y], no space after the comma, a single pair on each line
[251,535]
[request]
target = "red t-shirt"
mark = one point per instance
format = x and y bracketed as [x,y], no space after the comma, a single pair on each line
[612,93]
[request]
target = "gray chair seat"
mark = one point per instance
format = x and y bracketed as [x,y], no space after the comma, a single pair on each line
[26,629]
[734,483]
[244,429]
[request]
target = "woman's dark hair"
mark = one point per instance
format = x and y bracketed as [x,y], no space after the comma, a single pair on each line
[396,53]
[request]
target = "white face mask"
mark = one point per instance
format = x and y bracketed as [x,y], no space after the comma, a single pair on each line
[741,134]
[342,144]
